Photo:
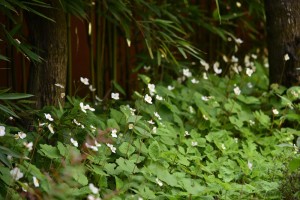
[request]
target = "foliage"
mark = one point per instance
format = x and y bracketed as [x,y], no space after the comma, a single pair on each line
[208,138]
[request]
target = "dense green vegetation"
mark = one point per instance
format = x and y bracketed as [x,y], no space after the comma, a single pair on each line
[199,138]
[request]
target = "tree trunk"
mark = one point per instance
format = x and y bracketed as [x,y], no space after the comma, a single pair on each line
[283,31]
[50,39]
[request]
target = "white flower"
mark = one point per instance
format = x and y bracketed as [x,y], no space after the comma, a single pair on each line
[157,115]
[50,127]
[237,90]
[62,95]
[114,133]
[16,173]
[151,88]
[249,71]
[223,146]
[247,60]
[59,85]
[93,128]
[205,76]
[275,111]
[159,182]
[251,122]
[238,4]
[97,144]
[186,133]
[88,107]
[35,182]
[115,96]
[130,126]
[92,197]
[170,87]
[92,89]
[194,81]
[94,148]
[254,56]
[187,73]
[205,117]
[128,42]
[225,58]
[204,98]
[132,111]
[74,142]
[93,188]
[204,64]
[234,59]
[236,140]
[20,135]
[154,129]
[239,41]
[194,143]
[9,157]
[191,109]
[76,122]
[112,148]
[85,107]
[249,85]
[97,98]
[216,68]
[25,187]
[140,198]
[151,122]
[48,116]
[286,57]
[147,68]
[148,99]
[28,145]
[159,98]
[85,81]
[250,165]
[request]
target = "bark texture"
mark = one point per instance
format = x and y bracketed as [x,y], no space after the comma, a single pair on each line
[283,30]
[50,39]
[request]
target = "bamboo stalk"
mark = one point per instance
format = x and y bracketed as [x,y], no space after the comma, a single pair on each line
[100,45]
[69,67]
[114,57]
[24,74]
[91,40]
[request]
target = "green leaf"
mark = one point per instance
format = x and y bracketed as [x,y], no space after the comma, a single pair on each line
[134,119]
[144,78]
[117,116]
[119,88]
[294,164]
[8,111]
[14,96]
[119,183]
[262,118]
[62,149]
[142,132]
[126,165]
[146,192]
[154,150]
[5,175]
[79,176]
[248,99]
[126,149]
[235,121]
[49,151]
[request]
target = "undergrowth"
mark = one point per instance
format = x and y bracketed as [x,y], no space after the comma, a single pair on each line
[197,137]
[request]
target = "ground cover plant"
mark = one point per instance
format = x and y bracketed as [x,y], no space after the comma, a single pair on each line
[189,137]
